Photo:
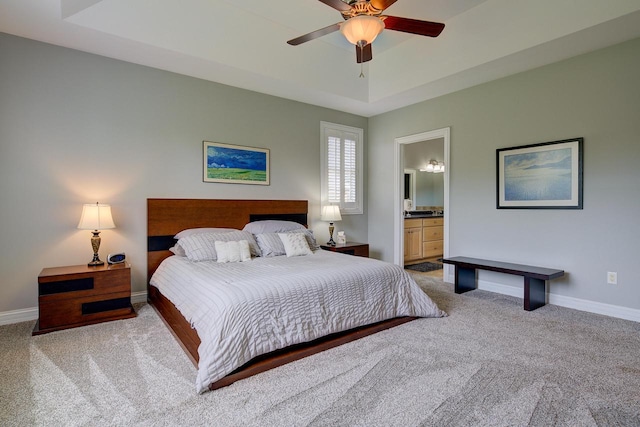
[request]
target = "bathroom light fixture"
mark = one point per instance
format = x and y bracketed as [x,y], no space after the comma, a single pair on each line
[433,166]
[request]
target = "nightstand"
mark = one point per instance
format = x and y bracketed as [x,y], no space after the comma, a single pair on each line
[80,295]
[351,248]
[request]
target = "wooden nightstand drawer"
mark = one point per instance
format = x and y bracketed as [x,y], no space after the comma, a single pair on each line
[80,295]
[57,287]
[63,286]
[352,248]
[79,311]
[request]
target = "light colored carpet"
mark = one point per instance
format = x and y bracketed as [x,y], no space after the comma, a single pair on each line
[488,363]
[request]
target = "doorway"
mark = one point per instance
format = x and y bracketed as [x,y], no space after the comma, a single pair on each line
[399,184]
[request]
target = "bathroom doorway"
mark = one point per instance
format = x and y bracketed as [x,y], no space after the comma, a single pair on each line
[425,151]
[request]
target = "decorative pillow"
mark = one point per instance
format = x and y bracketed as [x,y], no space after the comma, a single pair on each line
[177,250]
[201,246]
[192,231]
[311,240]
[272,226]
[233,251]
[271,245]
[295,244]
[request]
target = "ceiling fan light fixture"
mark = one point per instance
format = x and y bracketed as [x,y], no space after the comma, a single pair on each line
[362,28]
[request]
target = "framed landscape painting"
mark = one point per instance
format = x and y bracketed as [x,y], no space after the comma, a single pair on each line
[540,176]
[235,164]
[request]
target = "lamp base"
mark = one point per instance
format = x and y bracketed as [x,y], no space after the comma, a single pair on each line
[331,228]
[95,244]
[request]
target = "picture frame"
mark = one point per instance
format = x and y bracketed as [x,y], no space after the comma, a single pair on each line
[235,164]
[540,176]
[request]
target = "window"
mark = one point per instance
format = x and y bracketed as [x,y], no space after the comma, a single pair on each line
[341,167]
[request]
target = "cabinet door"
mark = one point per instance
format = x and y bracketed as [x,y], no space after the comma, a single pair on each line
[412,244]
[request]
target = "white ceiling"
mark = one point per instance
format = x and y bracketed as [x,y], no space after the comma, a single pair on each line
[243,43]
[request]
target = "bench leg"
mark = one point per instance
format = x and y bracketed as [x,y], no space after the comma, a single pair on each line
[534,293]
[465,279]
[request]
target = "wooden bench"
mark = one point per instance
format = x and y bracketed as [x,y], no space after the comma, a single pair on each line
[535,278]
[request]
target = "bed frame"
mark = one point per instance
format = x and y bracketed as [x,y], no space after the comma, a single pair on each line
[167,217]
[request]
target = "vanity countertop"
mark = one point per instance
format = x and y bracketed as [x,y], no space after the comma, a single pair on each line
[422,215]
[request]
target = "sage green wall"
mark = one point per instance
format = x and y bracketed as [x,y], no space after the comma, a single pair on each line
[595,96]
[79,128]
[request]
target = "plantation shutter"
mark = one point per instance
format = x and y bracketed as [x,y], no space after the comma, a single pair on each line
[342,167]
[334,170]
[349,168]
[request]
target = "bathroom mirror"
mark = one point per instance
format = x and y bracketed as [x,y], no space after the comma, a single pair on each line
[410,185]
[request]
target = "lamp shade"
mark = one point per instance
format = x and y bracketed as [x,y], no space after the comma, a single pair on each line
[96,217]
[331,213]
[362,28]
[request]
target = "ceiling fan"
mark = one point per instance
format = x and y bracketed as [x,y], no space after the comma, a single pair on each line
[364,22]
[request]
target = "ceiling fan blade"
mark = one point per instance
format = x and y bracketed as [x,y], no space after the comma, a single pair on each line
[365,54]
[314,34]
[382,4]
[337,4]
[413,26]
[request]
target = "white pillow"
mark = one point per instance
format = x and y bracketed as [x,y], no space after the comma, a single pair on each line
[192,231]
[295,244]
[177,250]
[201,246]
[233,251]
[272,226]
[271,245]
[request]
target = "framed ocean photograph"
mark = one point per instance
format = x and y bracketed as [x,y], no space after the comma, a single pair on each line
[540,176]
[235,164]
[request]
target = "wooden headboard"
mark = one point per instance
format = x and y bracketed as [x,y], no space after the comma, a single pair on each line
[167,217]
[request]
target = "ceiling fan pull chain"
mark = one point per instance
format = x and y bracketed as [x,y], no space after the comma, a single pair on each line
[361,46]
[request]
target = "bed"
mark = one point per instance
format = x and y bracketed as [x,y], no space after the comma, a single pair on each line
[277,330]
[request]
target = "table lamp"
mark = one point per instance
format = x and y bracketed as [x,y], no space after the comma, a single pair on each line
[331,213]
[96,217]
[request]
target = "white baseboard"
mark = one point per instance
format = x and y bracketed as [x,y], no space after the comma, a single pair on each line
[500,289]
[568,302]
[138,297]
[561,300]
[596,307]
[17,316]
[29,314]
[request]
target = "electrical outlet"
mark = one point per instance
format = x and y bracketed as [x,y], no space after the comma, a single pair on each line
[612,278]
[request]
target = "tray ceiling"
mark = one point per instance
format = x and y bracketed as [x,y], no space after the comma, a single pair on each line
[243,43]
